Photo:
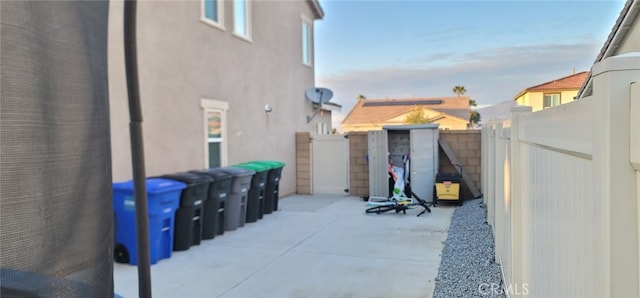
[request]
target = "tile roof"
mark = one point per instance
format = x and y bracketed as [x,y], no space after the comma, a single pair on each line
[570,82]
[380,110]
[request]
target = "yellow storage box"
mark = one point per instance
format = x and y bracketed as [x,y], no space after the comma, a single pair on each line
[447,188]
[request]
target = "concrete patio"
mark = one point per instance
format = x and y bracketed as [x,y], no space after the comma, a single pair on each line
[314,246]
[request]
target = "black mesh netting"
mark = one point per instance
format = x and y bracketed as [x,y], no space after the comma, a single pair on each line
[56,236]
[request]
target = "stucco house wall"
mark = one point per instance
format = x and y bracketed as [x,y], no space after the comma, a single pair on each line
[183,61]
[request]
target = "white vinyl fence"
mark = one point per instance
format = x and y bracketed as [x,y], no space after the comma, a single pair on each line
[562,187]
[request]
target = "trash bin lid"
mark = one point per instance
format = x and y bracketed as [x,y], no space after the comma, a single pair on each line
[254,166]
[204,173]
[218,173]
[189,178]
[239,172]
[272,163]
[260,163]
[154,185]
[158,185]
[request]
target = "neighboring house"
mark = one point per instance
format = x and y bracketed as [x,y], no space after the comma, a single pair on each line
[624,38]
[373,114]
[207,71]
[552,93]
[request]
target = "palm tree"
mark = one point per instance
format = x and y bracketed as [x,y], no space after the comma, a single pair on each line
[460,90]
[362,96]
[475,116]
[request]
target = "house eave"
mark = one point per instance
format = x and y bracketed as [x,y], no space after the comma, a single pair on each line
[523,92]
[318,13]
[330,106]
[618,32]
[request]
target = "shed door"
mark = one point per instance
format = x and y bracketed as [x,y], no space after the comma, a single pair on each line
[378,164]
[424,162]
[330,164]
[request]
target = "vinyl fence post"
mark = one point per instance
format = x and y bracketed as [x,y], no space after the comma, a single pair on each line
[517,196]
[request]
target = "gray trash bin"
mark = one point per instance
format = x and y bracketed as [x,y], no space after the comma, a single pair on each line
[237,201]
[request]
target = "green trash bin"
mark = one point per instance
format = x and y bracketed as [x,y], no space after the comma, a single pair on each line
[273,184]
[255,198]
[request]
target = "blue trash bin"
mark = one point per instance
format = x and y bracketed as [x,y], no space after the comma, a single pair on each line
[163,199]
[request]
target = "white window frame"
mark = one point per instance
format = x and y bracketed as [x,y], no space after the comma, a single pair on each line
[309,41]
[212,105]
[551,103]
[247,20]
[220,8]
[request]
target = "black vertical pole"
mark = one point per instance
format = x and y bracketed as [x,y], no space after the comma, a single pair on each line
[137,150]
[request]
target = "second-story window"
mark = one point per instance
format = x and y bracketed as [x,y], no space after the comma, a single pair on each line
[212,13]
[306,42]
[241,18]
[551,100]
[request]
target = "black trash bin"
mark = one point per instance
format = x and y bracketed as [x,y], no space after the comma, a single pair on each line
[189,217]
[214,207]
[273,184]
[255,199]
[236,211]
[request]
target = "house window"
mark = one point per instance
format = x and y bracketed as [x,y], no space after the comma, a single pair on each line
[212,13]
[551,100]
[215,113]
[241,18]
[306,42]
[214,137]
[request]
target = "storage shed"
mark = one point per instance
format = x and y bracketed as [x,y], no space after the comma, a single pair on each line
[396,144]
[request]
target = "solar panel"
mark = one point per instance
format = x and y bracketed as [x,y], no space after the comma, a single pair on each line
[402,103]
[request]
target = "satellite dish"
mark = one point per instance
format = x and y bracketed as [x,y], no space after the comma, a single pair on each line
[318,95]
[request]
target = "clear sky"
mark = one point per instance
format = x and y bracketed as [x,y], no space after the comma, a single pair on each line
[423,48]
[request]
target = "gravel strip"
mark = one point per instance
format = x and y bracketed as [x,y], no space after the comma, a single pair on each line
[467,268]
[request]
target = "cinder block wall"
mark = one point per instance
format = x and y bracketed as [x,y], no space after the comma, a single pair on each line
[467,146]
[303,163]
[358,166]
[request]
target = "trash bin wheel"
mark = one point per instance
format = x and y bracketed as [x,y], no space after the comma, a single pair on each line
[121,254]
